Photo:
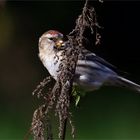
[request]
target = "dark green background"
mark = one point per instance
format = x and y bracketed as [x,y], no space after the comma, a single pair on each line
[107,114]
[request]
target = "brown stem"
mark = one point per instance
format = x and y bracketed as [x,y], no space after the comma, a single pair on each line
[64,129]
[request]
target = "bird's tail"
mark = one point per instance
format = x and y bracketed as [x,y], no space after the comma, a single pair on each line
[123,82]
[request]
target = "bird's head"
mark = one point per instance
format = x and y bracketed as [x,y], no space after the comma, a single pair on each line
[51,39]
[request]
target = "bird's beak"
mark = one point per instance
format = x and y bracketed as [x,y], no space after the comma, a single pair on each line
[59,43]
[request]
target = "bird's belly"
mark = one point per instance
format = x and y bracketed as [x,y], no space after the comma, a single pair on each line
[87,83]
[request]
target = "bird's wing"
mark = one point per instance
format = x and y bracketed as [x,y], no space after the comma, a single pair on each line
[93,57]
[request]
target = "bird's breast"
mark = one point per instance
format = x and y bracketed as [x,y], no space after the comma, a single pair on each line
[51,63]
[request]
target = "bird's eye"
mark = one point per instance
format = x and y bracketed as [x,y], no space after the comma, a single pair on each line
[51,38]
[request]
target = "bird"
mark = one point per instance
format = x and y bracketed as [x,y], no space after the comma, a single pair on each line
[92,72]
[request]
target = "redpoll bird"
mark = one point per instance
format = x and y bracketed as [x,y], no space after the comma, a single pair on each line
[91,73]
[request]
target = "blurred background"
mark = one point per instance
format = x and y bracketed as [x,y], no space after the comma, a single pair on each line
[107,114]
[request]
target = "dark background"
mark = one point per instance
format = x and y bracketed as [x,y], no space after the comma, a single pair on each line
[109,113]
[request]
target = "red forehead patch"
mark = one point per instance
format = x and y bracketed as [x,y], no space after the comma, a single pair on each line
[53,32]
